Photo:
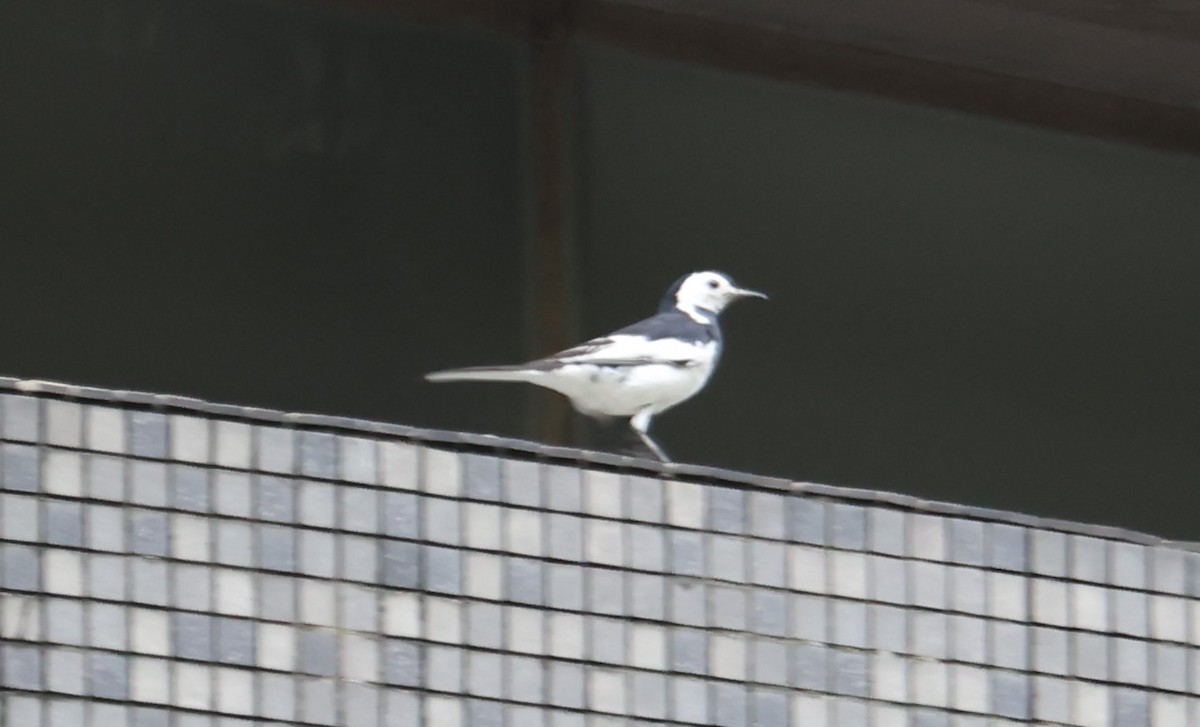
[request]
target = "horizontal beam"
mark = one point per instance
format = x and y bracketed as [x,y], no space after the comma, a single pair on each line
[1046,70]
[778,53]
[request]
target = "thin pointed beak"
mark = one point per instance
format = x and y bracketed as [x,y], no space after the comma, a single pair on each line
[744,293]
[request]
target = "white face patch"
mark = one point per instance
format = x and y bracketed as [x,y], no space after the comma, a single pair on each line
[706,291]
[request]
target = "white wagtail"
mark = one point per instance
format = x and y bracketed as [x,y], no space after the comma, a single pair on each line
[640,370]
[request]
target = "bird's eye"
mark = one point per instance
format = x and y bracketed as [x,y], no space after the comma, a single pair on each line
[713,284]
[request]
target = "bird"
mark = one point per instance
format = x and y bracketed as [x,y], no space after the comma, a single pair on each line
[641,370]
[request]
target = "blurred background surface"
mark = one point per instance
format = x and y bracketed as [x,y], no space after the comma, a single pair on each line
[983,282]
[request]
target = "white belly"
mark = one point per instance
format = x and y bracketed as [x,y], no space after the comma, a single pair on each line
[626,390]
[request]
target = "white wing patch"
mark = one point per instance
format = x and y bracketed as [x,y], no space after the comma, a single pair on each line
[622,375]
[638,350]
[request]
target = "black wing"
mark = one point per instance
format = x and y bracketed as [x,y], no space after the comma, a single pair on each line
[673,324]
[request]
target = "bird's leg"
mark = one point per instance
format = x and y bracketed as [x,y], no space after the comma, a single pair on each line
[640,423]
[658,452]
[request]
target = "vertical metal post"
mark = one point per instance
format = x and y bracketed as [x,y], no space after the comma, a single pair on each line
[550,264]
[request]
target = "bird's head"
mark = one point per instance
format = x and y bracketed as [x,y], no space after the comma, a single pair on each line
[705,294]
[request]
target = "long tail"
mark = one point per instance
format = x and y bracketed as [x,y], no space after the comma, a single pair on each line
[485,373]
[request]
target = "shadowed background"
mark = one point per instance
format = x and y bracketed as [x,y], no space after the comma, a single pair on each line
[278,205]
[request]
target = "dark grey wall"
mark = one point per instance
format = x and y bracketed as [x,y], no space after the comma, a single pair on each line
[267,205]
[252,203]
[963,309]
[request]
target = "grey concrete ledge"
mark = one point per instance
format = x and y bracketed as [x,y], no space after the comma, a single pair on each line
[523,449]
